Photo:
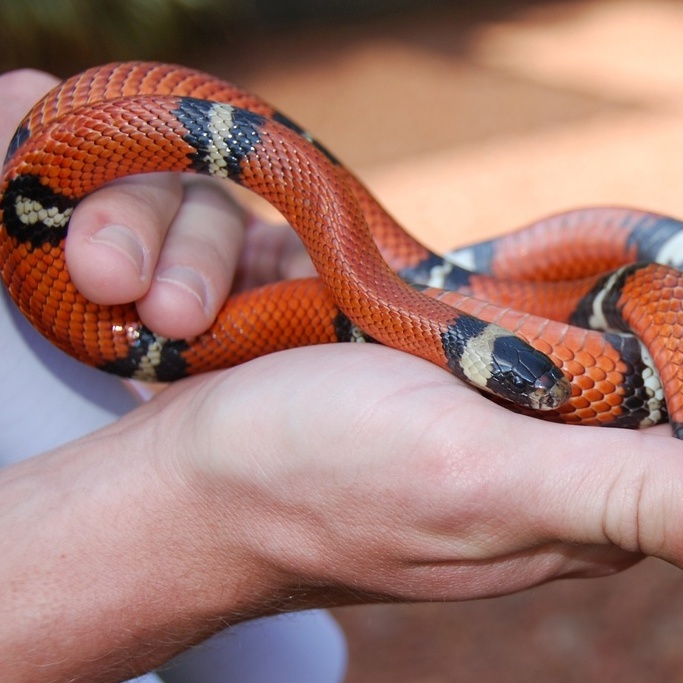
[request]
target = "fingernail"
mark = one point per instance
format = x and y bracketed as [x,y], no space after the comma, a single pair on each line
[188,280]
[125,241]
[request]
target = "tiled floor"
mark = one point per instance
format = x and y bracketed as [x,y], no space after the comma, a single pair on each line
[469,126]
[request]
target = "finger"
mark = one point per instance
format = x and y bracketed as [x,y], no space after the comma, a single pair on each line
[20,91]
[628,487]
[271,253]
[116,235]
[197,263]
[592,486]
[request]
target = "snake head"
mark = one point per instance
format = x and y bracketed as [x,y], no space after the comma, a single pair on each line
[527,377]
[495,360]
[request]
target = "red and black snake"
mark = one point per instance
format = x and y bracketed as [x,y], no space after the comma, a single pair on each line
[375,281]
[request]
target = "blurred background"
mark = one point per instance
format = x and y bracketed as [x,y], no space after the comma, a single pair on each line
[467,119]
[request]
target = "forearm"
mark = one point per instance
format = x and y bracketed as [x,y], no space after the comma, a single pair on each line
[108,562]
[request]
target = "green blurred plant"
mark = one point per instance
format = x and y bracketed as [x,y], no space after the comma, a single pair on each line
[58,34]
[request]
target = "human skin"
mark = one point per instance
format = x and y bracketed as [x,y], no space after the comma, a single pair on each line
[314,477]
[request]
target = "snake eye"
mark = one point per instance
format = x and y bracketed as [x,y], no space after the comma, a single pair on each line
[518,382]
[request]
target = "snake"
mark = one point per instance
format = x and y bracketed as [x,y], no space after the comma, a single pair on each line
[575,318]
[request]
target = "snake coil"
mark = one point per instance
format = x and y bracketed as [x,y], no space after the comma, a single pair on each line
[530,318]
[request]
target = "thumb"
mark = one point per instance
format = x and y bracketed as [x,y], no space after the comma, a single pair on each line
[612,486]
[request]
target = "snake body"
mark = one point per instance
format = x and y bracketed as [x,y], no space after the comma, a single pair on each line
[375,281]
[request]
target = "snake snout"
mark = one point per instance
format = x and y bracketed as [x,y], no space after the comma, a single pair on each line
[551,390]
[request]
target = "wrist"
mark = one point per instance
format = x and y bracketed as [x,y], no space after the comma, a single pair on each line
[112,559]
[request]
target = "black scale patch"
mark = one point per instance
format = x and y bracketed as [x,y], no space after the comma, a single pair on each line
[649,238]
[604,295]
[22,204]
[479,256]
[168,366]
[22,134]
[347,331]
[421,274]
[455,339]
[483,256]
[238,141]
[637,395]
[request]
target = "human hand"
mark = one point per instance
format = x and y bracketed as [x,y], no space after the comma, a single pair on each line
[363,474]
[312,477]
